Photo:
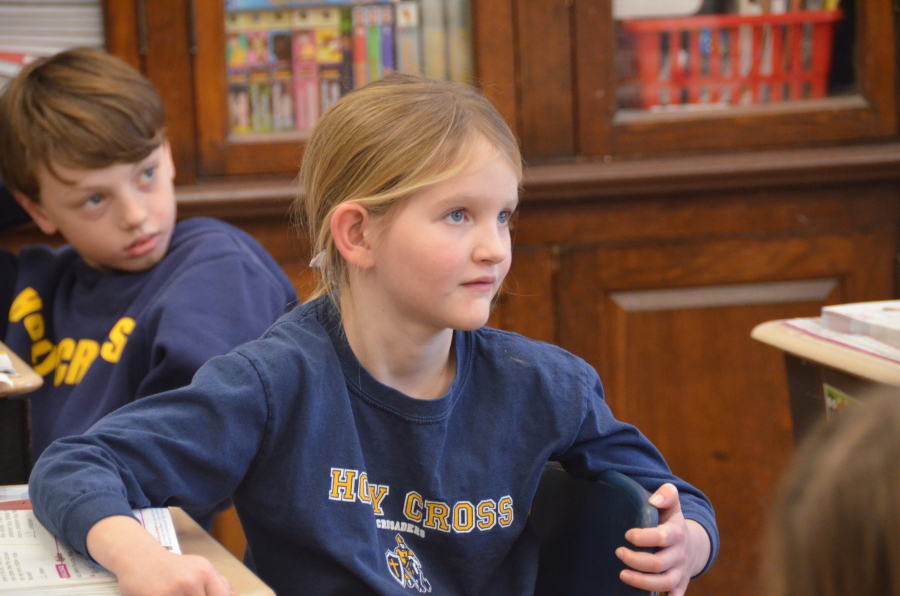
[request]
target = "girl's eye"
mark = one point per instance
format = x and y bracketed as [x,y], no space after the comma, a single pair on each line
[503,218]
[148,173]
[456,216]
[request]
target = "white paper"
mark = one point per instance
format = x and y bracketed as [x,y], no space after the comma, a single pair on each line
[33,562]
[6,366]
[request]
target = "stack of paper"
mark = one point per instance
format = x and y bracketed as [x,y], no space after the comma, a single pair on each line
[6,369]
[880,320]
[35,563]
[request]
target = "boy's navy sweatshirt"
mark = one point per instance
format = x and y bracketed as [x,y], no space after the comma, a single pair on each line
[346,486]
[102,340]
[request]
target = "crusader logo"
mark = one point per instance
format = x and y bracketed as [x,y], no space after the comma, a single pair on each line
[406,568]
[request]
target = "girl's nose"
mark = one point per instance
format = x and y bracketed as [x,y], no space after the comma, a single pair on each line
[493,245]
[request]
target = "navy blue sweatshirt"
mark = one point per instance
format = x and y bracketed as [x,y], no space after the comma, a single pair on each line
[341,481]
[102,340]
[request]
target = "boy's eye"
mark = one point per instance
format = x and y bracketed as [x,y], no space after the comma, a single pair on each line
[457,216]
[148,173]
[503,218]
[93,201]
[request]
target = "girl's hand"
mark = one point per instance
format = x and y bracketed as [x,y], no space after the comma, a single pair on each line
[683,548]
[175,575]
[145,568]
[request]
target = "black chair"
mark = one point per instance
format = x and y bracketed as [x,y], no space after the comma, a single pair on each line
[580,524]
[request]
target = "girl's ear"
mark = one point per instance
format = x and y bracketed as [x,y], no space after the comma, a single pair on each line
[36,211]
[350,228]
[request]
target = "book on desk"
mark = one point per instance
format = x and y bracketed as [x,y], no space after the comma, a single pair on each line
[171,526]
[33,562]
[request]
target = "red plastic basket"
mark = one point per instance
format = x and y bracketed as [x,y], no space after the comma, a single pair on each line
[733,59]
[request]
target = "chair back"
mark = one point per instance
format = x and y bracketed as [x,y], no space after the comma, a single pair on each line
[580,524]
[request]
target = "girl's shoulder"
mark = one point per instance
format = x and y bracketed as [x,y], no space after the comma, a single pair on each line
[519,353]
[300,329]
[498,338]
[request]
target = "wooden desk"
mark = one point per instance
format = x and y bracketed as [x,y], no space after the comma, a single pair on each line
[15,454]
[813,362]
[27,381]
[195,541]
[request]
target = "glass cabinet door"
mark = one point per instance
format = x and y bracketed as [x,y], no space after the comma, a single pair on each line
[277,65]
[701,75]
[718,54]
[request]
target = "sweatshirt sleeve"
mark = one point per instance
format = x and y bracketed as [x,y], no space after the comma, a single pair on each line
[604,443]
[213,307]
[189,447]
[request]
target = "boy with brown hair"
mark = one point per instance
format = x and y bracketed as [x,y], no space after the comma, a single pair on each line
[136,302]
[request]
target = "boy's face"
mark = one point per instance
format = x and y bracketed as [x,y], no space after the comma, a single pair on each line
[118,218]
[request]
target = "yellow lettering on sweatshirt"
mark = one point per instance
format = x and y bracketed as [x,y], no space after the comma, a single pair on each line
[34,325]
[118,337]
[44,348]
[25,303]
[85,353]
[64,351]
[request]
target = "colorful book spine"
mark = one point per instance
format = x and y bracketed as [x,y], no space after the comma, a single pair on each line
[459,40]
[374,68]
[406,38]
[387,39]
[280,70]
[435,39]
[239,102]
[329,55]
[306,80]
[347,47]
[360,75]
[237,74]
[260,101]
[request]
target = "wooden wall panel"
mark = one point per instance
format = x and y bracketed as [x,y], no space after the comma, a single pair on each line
[527,303]
[595,76]
[718,214]
[715,404]
[168,66]
[546,127]
[495,56]
[680,364]
[120,24]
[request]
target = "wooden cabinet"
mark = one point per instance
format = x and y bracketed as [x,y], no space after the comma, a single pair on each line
[649,244]
[548,66]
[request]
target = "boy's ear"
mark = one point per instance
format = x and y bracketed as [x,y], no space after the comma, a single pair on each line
[36,212]
[350,228]
[168,156]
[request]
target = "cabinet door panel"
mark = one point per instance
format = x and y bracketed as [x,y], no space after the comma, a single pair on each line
[715,403]
[668,325]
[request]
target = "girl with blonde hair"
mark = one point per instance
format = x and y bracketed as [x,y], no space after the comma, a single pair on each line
[378,439]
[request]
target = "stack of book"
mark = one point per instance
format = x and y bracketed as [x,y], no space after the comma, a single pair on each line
[880,320]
